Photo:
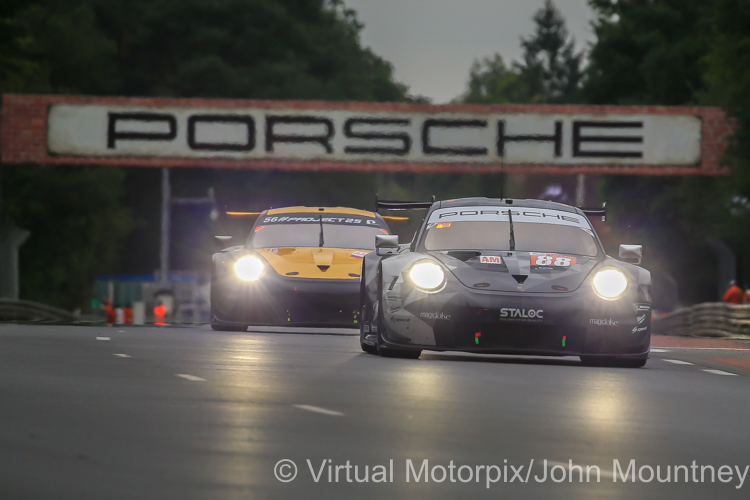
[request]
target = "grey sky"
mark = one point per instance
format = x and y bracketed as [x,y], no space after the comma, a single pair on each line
[432,43]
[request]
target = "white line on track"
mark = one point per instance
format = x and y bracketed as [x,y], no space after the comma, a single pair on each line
[318,409]
[719,372]
[678,362]
[122,355]
[190,377]
[103,338]
[659,350]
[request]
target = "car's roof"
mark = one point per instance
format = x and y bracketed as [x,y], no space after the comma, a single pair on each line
[329,210]
[504,202]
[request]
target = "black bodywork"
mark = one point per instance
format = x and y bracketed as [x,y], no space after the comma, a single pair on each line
[506,308]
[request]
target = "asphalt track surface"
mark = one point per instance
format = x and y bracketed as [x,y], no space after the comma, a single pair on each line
[187,413]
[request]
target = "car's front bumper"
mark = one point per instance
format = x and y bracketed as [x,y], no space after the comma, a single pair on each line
[575,323]
[277,300]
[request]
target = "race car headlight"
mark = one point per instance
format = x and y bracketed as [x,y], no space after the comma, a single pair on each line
[427,276]
[610,283]
[249,268]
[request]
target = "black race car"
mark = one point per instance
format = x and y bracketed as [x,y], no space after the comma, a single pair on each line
[504,276]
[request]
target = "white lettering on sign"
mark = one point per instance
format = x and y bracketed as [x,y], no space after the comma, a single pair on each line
[348,135]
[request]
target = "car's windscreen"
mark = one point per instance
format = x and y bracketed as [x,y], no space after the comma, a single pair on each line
[304,230]
[534,231]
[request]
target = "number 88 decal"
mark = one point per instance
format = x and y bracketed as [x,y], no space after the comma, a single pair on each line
[552,260]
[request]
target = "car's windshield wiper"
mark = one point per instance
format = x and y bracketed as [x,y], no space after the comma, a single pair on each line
[321,240]
[512,234]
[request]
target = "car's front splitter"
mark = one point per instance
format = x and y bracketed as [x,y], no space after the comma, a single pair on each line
[281,301]
[572,324]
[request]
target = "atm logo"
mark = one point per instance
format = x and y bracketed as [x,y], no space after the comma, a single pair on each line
[490,259]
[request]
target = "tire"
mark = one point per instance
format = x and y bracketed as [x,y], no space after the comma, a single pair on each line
[364,318]
[370,349]
[223,327]
[220,326]
[611,361]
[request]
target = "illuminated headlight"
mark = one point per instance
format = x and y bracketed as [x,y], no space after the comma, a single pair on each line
[249,268]
[427,276]
[610,283]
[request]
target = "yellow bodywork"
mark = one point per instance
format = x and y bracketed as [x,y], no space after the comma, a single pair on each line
[312,262]
[320,263]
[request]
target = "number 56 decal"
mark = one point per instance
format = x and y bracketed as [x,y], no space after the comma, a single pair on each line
[551,259]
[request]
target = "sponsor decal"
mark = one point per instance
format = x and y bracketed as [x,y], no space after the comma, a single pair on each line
[273,250]
[642,307]
[636,329]
[443,225]
[552,259]
[359,254]
[522,314]
[490,259]
[604,322]
[435,315]
[307,218]
[533,215]
[641,319]
[366,327]
[394,319]
[259,228]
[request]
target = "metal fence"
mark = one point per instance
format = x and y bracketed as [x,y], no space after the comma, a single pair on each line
[712,319]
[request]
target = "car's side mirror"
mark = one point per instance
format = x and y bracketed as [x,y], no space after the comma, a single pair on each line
[631,252]
[223,241]
[386,244]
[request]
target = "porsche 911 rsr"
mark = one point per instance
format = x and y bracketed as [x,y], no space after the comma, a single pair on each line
[300,266]
[503,276]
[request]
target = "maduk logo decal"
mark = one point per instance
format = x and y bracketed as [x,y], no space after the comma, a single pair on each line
[435,315]
[604,322]
[507,312]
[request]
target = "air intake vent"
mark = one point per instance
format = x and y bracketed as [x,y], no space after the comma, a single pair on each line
[323,268]
[520,278]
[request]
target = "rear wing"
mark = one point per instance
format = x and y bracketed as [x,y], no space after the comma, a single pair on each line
[596,212]
[402,205]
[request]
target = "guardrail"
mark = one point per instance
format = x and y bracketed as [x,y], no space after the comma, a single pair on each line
[23,311]
[712,319]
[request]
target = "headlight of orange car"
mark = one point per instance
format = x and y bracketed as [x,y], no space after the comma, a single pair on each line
[249,268]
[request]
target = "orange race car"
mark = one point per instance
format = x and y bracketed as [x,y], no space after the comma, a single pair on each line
[300,266]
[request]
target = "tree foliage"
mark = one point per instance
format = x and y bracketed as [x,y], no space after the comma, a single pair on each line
[550,71]
[254,49]
[678,52]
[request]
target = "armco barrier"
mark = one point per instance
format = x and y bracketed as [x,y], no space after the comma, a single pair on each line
[22,311]
[712,319]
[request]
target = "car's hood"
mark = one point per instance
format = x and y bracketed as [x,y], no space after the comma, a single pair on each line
[318,263]
[518,271]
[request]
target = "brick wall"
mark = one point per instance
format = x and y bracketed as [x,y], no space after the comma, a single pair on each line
[23,136]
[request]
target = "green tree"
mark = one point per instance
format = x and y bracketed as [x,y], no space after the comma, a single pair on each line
[678,52]
[549,73]
[648,51]
[77,223]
